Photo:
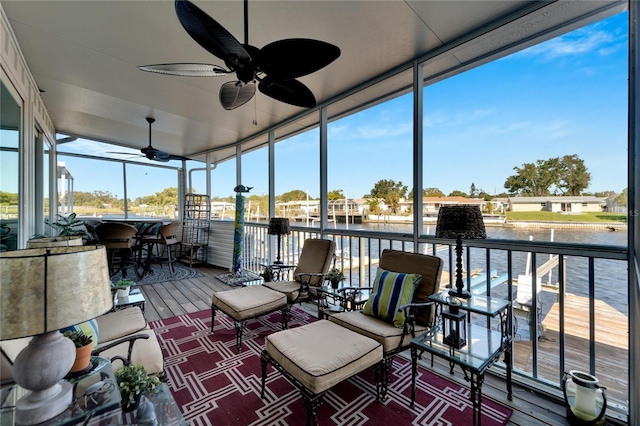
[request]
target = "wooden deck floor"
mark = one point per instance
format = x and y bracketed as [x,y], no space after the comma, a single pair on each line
[179,297]
[611,347]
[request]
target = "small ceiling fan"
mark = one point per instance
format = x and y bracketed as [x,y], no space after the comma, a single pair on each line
[275,67]
[154,154]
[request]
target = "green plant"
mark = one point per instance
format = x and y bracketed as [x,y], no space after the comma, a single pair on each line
[78,338]
[124,282]
[334,275]
[66,226]
[133,380]
[69,225]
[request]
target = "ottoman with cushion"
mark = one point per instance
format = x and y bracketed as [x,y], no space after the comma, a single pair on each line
[246,303]
[317,356]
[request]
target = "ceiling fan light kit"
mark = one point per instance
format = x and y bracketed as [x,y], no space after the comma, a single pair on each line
[275,67]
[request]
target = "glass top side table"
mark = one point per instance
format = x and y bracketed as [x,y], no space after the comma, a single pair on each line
[483,305]
[483,349]
[347,298]
[165,407]
[104,396]
[279,271]
[135,298]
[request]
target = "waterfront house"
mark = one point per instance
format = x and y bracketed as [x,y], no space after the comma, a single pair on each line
[431,205]
[561,204]
[69,69]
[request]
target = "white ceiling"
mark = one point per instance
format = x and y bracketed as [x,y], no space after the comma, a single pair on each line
[84,55]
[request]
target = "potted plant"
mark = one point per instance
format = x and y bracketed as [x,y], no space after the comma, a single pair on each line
[123,286]
[133,381]
[334,276]
[83,349]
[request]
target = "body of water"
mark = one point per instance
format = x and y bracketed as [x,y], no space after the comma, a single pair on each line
[611,283]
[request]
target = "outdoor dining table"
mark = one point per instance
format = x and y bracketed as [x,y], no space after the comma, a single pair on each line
[145,228]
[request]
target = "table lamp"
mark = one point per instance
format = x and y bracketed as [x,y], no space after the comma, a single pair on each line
[278,226]
[64,241]
[458,222]
[42,291]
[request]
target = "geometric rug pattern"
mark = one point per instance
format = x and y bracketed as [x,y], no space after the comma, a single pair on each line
[213,385]
[160,273]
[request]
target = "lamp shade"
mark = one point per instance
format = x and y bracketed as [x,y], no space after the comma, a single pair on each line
[460,222]
[278,226]
[46,289]
[65,241]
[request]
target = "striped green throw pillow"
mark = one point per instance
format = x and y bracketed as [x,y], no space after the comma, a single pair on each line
[390,291]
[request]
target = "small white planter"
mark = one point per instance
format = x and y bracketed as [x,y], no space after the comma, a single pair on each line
[123,291]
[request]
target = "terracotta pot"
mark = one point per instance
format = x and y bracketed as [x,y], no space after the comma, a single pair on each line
[83,357]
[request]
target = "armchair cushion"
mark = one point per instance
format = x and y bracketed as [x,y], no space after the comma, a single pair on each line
[114,325]
[290,288]
[390,291]
[430,267]
[389,336]
[316,257]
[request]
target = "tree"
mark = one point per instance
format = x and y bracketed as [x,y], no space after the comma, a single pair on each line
[473,192]
[336,194]
[485,196]
[621,199]
[295,195]
[534,180]
[573,176]
[390,191]
[567,175]
[432,192]
[374,205]
[457,193]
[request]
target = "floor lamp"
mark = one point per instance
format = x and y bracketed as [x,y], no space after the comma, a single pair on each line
[278,226]
[460,222]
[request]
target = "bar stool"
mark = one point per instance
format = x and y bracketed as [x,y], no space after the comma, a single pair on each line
[119,240]
[167,237]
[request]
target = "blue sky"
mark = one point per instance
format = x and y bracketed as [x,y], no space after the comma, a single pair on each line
[565,96]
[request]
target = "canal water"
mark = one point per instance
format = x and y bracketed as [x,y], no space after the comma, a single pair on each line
[610,276]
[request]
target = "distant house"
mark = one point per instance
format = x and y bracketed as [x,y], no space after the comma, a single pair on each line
[218,208]
[431,205]
[564,204]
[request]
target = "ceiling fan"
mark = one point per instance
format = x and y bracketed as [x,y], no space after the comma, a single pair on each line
[154,154]
[275,67]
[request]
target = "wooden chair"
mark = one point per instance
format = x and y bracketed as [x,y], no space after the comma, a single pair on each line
[419,314]
[315,260]
[119,239]
[167,237]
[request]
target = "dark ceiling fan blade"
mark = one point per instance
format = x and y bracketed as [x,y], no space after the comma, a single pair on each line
[289,91]
[177,157]
[235,93]
[186,70]
[125,153]
[294,57]
[211,35]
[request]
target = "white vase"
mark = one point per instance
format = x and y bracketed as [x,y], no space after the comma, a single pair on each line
[123,291]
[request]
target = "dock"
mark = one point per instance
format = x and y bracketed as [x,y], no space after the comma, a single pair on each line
[611,345]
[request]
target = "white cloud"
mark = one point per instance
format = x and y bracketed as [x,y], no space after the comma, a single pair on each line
[580,42]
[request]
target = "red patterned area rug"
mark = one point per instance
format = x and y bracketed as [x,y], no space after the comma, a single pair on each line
[213,385]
